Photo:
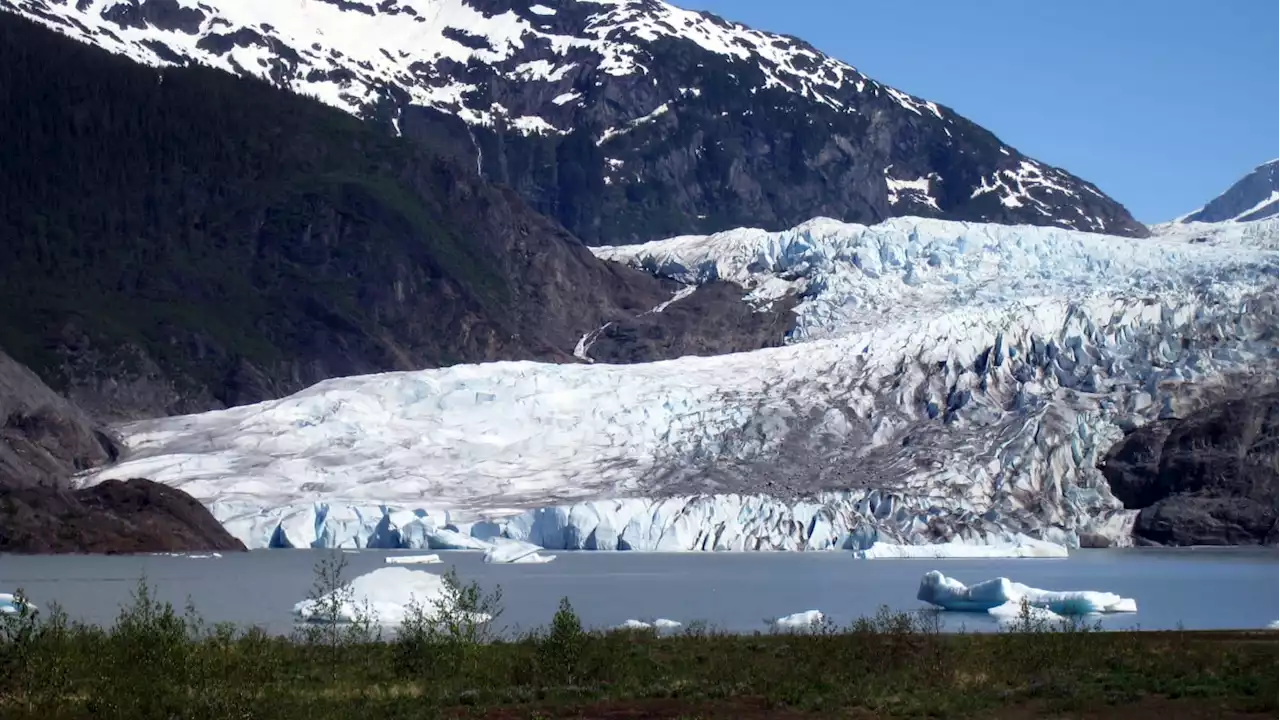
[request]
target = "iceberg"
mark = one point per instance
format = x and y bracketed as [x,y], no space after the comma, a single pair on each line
[11,605]
[1005,597]
[504,551]
[659,624]
[800,620]
[1020,546]
[431,559]
[946,382]
[382,597]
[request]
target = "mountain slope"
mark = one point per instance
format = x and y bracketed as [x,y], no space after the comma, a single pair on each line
[1255,196]
[183,240]
[626,120]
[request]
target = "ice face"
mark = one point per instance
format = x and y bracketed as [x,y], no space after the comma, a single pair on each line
[948,382]
[1003,598]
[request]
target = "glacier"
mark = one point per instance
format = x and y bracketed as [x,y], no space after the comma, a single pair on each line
[946,383]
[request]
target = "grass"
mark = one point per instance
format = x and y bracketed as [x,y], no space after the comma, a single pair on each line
[156,662]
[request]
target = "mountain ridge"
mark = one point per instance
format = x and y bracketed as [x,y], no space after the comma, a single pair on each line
[1255,196]
[625,120]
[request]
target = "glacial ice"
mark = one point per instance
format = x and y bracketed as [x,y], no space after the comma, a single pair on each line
[504,551]
[659,624]
[383,597]
[999,593]
[800,620]
[430,559]
[11,605]
[1020,546]
[947,382]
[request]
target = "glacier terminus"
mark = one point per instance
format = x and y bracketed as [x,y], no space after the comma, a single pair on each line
[946,382]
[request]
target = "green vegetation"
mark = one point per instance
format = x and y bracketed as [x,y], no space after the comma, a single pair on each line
[156,663]
[177,225]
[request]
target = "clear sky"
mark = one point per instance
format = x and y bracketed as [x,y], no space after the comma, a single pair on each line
[1161,103]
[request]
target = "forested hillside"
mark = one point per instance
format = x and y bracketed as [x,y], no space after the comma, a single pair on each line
[184,239]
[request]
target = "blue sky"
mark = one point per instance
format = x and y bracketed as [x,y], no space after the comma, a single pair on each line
[1161,103]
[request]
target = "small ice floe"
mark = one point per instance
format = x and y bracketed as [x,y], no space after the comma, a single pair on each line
[431,559]
[382,597]
[1020,546]
[11,605]
[189,556]
[659,624]
[506,551]
[800,621]
[1275,625]
[1003,598]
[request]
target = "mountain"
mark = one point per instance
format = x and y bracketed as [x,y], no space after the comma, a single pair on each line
[945,381]
[184,239]
[625,120]
[1255,196]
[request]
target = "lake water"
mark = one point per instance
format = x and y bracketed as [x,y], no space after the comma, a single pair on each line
[1201,589]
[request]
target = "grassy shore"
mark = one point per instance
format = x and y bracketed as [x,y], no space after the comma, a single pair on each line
[156,662]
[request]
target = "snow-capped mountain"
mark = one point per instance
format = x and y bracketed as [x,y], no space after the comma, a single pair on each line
[949,381]
[1255,196]
[626,120]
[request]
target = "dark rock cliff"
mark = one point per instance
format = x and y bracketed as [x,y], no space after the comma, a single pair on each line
[1206,479]
[44,440]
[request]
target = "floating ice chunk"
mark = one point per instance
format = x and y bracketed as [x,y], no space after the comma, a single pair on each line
[431,559]
[1011,612]
[190,556]
[504,551]
[382,596]
[800,620]
[659,624]
[1275,625]
[951,594]
[1020,546]
[10,605]
[445,539]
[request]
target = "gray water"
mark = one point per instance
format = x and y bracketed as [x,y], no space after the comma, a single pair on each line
[1199,589]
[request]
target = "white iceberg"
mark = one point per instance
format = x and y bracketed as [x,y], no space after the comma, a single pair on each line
[800,620]
[431,559]
[659,624]
[505,551]
[1000,593]
[1275,625]
[1012,612]
[11,605]
[1020,546]
[382,597]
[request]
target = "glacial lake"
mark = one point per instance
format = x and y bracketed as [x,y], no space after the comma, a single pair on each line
[1197,588]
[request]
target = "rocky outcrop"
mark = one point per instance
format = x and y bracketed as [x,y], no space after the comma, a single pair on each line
[1205,479]
[115,516]
[713,320]
[44,439]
